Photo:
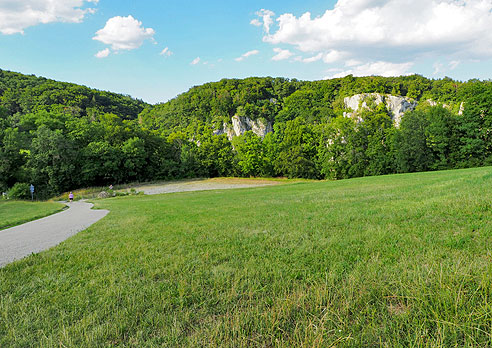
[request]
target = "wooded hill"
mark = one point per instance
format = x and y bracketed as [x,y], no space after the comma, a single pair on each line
[61,136]
[280,100]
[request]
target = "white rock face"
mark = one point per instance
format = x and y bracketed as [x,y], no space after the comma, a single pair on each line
[431,102]
[242,124]
[218,132]
[462,109]
[359,101]
[261,127]
[396,105]
[446,106]
[226,129]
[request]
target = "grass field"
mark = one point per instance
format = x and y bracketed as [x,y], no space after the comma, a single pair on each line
[14,213]
[393,261]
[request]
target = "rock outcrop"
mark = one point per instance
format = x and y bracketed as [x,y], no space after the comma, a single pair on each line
[446,106]
[242,124]
[396,105]
[103,194]
[227,130]
[462,109]
[434,103]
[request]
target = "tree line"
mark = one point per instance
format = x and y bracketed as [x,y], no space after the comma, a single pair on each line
[62,136]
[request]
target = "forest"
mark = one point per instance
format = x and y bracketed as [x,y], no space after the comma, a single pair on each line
[61,136]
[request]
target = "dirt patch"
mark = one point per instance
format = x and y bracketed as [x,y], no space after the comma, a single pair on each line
[203,185]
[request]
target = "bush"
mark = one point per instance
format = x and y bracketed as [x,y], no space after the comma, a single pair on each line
[19,191]
[488,161]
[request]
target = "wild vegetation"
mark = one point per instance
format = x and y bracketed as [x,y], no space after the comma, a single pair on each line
[61,136]
[386,261]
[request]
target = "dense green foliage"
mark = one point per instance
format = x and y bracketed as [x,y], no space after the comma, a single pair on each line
[61,136]
[388,261]
[14,213]
[20,190]
[27,94]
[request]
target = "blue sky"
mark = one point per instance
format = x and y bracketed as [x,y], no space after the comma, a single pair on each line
[434,38]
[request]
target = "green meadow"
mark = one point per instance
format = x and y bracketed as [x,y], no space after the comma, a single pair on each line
[14,213]
[388,261]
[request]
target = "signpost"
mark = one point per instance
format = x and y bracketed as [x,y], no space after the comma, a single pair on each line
[31,188]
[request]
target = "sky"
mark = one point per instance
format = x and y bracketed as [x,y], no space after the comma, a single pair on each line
[156,49]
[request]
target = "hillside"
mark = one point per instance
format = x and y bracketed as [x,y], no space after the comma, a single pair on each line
[61,136]
[24,94]
[280,99]
[390,261]
[44,125]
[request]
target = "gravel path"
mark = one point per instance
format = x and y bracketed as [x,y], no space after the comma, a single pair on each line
[35,236]
[197,186]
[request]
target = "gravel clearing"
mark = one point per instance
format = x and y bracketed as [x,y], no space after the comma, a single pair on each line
[205,185]
[35,236]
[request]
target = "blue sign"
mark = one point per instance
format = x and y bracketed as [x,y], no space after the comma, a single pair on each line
[31,188]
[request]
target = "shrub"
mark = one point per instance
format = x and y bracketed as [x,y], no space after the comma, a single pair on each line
[20,190]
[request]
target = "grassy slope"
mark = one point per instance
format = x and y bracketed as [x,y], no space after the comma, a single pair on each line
[394,261]
[14,213]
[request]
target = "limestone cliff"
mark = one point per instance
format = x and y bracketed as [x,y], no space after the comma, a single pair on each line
[242,124]
[396,105]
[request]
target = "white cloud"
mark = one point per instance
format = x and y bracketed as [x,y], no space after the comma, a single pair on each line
[334,56]
[103,54]
[195,61]
[256,22]
[353,62]
[246,55]
[166,52]
[438,68]
[454,64]
[313,59]
[266,17]
[124,33]
[393,31]
[17,15]
[441,68]
[376,68]
[281,54]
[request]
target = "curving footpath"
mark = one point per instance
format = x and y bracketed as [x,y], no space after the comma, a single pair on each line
[35,236]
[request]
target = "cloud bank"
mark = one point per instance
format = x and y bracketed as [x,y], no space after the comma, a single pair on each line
[17,15]
[386,35]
